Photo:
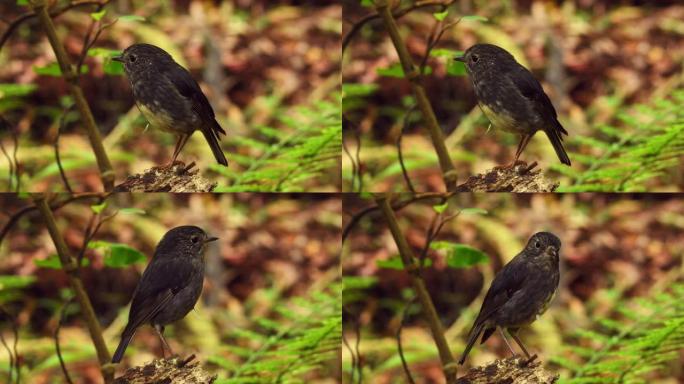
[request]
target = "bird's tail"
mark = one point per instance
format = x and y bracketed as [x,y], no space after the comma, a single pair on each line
[472,337]
[211,134]
[125,339]
[556,139]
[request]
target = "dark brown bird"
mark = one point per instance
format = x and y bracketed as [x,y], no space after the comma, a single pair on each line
[170,285]
[520,292]
[169,98]
[512,98]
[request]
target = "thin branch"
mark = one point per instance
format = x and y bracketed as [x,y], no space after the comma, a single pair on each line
[359,367]
[433,40]
[397,15]
[88,42]
[91,231]
[428,309]
[400,154]
[58,159]
[71,269]
[5,126]
[71,76]
[62,317]
[53,206]
[13,356]
[396,206]
[10,176]
[14,24]
[355,159]
[345,342]
[400,349]
[447,167]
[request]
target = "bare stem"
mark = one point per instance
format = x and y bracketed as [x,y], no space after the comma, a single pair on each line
[412,74]
[69,266]
[428,308]
[70,75]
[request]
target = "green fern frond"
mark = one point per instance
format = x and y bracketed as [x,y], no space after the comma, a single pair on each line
[646,147]
[648,337]
[305,339]
[303,155]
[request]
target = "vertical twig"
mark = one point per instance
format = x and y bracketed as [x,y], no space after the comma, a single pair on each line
[62,317]
[400,153]
[448,172]
[400,349]
[355,159]
[428,308]
[58,158]
[71,76]
[11,160]
[71,268]
[12,352]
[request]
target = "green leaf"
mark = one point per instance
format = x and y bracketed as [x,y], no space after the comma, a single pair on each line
[356,89]
[441,207]
[112,67]
[98,208]
[474,211]
[358,282]
[22,2]
[449,53]
[53,69]
[121,255]
[103,52]
[15,281]
[455,68]
[97,16]
[395,262]
[462,256]
[14,90]
[131,18]
[117,255]
[394,70]
[439,16]
[132,211]
[53,262]
[474,18]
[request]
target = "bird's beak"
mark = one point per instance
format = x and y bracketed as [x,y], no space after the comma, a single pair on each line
[210,239]
[460,58]
[118,58]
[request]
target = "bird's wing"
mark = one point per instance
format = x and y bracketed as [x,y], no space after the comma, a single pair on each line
[508,281]
[530,88]
[162,279]
[188,88]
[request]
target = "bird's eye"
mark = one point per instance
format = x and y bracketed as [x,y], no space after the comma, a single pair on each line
[132,58]
[194,239]
[537,245]
[474,58]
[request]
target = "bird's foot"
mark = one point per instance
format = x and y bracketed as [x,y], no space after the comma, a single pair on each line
[529,360]
[182,362]
[510,165]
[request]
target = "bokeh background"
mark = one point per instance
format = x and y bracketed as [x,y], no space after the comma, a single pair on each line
[622,271]
[270,69]
[272,282]
[613,70]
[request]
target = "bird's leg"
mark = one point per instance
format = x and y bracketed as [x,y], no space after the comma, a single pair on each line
[524,140]
[514,333]
[160,332]
[179,145]
[503,335]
